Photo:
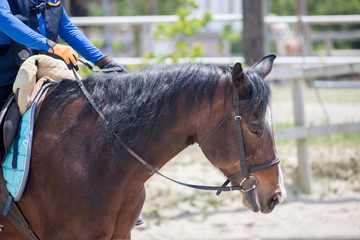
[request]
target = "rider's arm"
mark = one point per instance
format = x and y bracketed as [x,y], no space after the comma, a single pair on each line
[76,39]
[18,31]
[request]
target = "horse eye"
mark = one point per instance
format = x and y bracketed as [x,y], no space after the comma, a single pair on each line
[253,131]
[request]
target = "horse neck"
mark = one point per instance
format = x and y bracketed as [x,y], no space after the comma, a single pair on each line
[171,136]
[187,127]
[211,114]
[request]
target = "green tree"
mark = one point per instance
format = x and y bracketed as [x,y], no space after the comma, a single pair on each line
[334,7]
[233,38]
[141,7]
[180,30]
[149,7]
[315,7]
[282,7]
[322,7]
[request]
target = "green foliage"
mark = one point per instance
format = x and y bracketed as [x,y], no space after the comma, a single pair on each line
[234,38]
[98,44]
[351,140]
[315,7]
[152,7]
[323,7]
[180,30]
[84,71]
[136,7]
[116,46]
[229,34]
[333,7]
[320,7]
[348,139]
[132,7]
[94,9]
[282,7]
[166,7]
[184,27]
[214,202]
[132,68]
[155,214]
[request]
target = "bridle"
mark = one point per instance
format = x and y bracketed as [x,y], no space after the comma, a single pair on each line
[245,172]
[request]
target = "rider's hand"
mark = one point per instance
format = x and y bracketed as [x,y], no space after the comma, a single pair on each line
[107,62]
[64,52]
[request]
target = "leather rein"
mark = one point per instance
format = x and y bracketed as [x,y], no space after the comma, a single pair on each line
[245,172]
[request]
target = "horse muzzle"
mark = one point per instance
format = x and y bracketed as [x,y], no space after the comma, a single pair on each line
[252,201]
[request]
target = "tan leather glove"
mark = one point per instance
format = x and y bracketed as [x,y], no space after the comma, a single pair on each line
[64,52]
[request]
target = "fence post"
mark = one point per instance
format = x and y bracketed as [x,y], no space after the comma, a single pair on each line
[304,169]
[254,37]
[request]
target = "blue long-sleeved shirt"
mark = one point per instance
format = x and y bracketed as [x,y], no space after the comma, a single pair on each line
[12,27]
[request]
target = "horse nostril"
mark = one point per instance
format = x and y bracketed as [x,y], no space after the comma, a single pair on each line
[276,199]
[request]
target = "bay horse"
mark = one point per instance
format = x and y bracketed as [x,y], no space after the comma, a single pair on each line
[83,184]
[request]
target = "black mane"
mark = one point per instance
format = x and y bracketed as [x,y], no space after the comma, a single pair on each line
[135,101]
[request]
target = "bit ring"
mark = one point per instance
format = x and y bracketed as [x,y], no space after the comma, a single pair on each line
[244,180]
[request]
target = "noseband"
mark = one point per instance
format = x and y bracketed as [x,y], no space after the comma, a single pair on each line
[245,172]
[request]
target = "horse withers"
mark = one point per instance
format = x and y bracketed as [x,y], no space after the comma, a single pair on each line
[83,184]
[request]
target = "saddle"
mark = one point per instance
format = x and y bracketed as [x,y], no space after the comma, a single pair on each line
[9,121]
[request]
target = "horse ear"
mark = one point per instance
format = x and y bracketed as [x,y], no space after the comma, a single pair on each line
[263,66]
[238,76]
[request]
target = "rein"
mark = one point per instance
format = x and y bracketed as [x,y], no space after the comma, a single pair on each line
[245,172]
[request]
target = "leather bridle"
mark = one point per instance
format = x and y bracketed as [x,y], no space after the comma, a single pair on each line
[245,172]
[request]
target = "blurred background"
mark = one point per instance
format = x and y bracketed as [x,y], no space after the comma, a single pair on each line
[315,107]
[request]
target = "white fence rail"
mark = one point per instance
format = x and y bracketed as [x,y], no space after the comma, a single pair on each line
[145,20]
[296,64]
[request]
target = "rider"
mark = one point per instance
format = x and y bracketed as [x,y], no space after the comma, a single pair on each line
[30,27]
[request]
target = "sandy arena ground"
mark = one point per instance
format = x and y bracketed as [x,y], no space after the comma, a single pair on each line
[332,211]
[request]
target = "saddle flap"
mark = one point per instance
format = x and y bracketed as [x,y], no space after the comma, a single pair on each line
[9,121]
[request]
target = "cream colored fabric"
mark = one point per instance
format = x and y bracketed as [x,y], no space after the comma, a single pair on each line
[33,73]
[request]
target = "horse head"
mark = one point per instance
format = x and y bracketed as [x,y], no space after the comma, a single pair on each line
[259,176]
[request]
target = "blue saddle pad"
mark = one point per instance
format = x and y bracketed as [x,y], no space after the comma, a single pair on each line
[16,177]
